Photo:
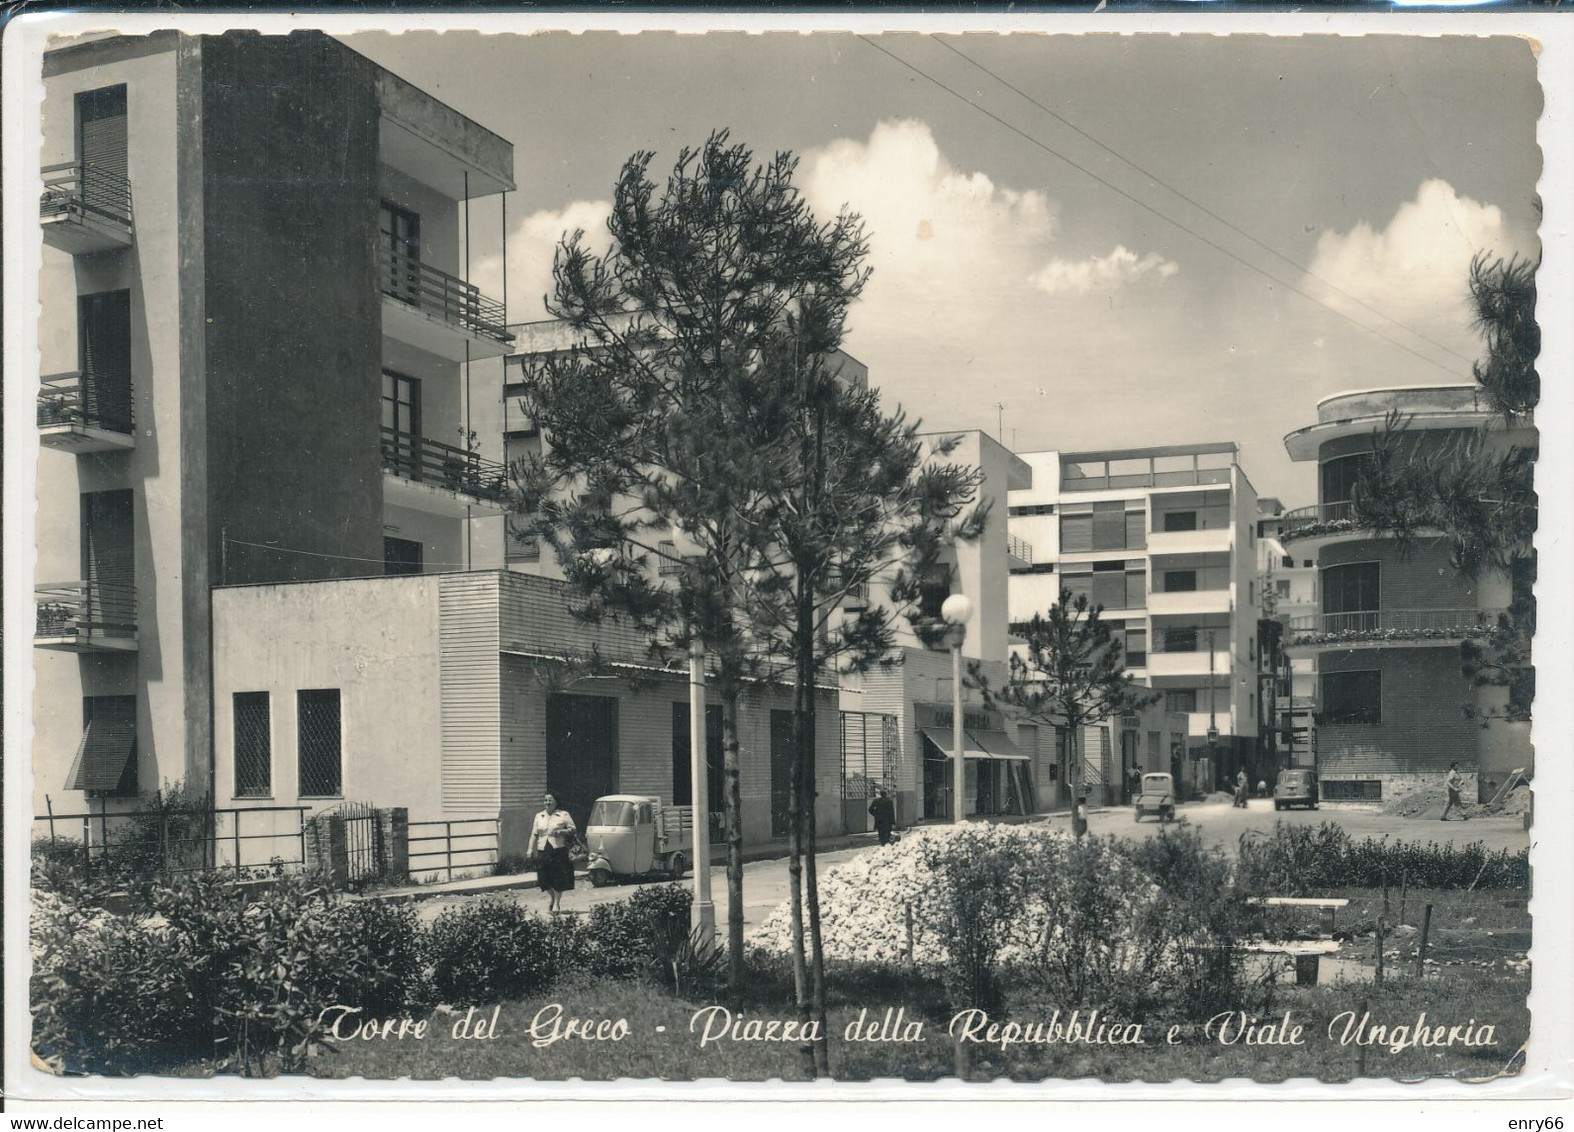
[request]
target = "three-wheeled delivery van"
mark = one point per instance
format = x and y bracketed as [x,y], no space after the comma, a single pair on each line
[634,835]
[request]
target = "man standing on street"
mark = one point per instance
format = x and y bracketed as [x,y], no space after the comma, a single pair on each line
[1455,782]
[884,814]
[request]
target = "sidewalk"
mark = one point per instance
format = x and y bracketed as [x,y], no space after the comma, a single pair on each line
[761,851]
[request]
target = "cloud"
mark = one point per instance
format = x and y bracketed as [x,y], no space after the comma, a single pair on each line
[531,243]
[1101,275]
[1415,269]
[944,244]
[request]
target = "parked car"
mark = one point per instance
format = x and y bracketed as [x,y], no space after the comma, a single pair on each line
[1295,788]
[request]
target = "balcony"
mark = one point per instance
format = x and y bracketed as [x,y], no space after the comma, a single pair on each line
[1197,722]
[1163,661]
[1215,540]
[71,421]
[1019,553]
[438,312]
[85,209]
[427,475]
[1189,601]
[86,617]
[1388,628]
[1318,520]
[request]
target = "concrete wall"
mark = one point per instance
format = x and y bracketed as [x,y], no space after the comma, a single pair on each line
[170,614]
[376,640]
[292,313]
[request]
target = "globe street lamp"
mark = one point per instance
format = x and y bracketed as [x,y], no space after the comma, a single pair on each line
[956,611]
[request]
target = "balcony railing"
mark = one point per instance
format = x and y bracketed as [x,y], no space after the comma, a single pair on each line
[62,401]
[79,191]
[1392,625]
[85,610]
[1020,549]
[444,297]
[441,465]
[1319,519]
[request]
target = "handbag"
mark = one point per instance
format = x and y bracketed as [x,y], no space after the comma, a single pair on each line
[578,851]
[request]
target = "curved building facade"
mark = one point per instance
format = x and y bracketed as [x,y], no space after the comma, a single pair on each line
[1393,707]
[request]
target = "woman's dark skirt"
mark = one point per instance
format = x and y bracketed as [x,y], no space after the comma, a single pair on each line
[555,870]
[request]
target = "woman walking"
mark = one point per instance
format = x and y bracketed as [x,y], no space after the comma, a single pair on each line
[550,838]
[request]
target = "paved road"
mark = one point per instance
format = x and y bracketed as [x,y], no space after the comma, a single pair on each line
[765,882]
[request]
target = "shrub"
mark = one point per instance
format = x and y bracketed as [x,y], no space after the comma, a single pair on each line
[238,975]
[385,972]
[1297,860]
[491,950]
[108,995]
[976,878]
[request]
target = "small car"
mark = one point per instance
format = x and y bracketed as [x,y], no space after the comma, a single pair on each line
[1156,797]
[1295,788]
[634,835]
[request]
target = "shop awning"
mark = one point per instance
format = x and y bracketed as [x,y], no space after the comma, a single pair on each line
[998,744]
[943,738]
[109,742]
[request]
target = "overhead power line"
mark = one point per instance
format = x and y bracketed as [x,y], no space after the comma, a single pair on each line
[1204,209]
[1031,140]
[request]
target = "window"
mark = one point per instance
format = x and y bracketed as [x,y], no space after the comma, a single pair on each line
[1035,568]
[1136,588]
[1109,526]
[1136,648]
[401,422]
[1180,520]
[106,761]
[1136,529]
[933,592]
[682,779]
[401,555]
[253,746]
[104,359]
[1338,477]
[1109,585]
[318,743]
[1031,509]
[399,241]
[1076,532]
[1282,587]
[1352,588]
[1185,701]
[1180,581]
[1077,585]
[1352,698]
[1180,640]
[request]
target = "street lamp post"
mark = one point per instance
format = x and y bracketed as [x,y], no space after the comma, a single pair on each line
[956,611]
[1213,722]
[703,912]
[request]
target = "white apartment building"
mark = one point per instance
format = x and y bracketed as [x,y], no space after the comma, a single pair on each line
[1164,539]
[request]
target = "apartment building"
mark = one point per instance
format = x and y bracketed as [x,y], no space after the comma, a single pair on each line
[1286,593]
[1009,765]
[257,346]
[1389,620]
[1164,539]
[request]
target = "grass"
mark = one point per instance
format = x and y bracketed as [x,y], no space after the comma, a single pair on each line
[1460,987]
[676,1054]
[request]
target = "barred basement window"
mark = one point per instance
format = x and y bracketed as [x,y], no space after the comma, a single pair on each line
[321,770]
[253,746]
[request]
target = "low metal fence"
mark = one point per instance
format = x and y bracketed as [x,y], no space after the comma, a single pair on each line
[453,843]
[175,842]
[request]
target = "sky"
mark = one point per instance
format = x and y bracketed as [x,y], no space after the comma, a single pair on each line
[1077,241]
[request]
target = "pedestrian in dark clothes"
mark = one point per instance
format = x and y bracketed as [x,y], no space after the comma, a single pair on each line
[884,815]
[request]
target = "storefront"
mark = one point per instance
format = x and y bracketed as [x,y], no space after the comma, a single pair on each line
[997,775]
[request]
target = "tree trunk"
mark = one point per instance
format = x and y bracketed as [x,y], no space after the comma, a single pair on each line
[732,794]
[804,784]
[796,829]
